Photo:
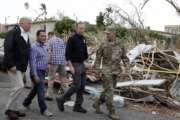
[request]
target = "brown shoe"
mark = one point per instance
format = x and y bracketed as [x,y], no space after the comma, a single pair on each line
[12,115]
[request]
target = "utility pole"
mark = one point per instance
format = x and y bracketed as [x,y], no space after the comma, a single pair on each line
[5,24]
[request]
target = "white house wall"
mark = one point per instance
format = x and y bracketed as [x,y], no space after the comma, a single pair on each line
[35,27]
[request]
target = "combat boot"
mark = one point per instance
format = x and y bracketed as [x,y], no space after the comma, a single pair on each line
[114,116]
[97,108]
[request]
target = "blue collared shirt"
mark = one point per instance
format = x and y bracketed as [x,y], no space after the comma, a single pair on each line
[39,58]
[57,47]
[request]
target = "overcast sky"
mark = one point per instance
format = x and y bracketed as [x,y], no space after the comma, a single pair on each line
[156,13]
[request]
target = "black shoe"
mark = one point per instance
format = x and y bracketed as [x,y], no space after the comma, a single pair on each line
[20,114]
[79,109]
[49,98]
[60,104]
[27,87]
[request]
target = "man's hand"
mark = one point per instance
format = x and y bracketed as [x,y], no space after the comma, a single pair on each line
[100,75]
[72,69]
[35,79]
[13,69]
[49,66]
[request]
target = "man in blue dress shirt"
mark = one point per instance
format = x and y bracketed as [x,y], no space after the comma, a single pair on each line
[38,66]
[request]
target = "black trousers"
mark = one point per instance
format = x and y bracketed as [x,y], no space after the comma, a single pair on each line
[78,87]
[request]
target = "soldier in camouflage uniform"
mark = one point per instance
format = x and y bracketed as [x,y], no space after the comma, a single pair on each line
[108,59]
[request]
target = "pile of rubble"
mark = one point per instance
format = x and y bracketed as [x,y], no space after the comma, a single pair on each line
[152,77]
[158,77]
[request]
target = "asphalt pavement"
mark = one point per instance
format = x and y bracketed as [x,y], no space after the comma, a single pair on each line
[34,114]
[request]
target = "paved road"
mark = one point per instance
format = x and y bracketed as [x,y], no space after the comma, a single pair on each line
[34,114]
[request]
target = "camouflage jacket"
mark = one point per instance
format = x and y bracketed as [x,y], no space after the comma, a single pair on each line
[109,56]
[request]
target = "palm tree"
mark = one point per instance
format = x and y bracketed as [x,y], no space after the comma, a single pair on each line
[44,12]
[43,8]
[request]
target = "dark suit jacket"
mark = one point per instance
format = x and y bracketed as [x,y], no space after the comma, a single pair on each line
[16,50]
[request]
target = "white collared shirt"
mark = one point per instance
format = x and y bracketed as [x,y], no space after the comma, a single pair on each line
[24,34]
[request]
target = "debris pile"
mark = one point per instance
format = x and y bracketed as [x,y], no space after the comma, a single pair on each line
[158,81]
[152,77]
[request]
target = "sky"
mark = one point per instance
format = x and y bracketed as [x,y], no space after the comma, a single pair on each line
[155,14]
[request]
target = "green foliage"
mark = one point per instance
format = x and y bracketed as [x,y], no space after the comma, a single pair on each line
[2,35]
[100,21]
[157,36]
[90,27]
[65,25]
[122,32]
[104,19]
[108,20]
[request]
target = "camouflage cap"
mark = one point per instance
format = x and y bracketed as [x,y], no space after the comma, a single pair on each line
[110,29]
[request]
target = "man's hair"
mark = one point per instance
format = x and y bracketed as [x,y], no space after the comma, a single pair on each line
[79,23]
[39,31]
[22,19]
[51,33]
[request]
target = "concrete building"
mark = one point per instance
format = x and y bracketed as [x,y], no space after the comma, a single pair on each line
[175,29]
[164,33]
[2,28]
[50,25]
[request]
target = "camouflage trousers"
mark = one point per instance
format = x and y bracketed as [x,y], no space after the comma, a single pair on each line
[107,98]
[107,94]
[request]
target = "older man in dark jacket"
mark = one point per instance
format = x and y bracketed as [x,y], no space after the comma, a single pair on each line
[16,58]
